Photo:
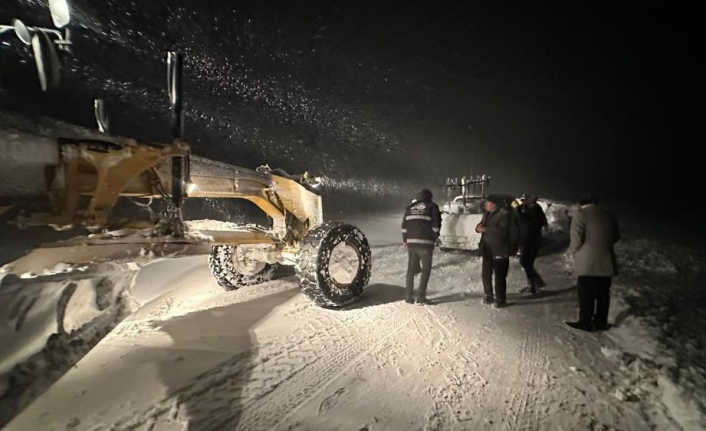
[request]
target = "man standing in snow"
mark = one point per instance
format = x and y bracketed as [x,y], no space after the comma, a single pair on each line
[532,220]
[498,242]
[420,230]
[594,231]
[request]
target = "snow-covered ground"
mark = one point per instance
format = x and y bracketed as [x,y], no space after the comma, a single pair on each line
[47,323]
[264,357]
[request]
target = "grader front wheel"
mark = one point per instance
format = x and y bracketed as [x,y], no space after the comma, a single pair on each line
[232,271]
[334,264]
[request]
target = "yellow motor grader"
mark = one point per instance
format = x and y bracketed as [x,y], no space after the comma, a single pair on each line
[81,179]
[331,259]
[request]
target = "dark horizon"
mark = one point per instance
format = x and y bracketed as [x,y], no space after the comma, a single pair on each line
[553,100]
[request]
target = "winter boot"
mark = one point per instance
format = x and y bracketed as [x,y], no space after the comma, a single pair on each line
[578,325]
[533,287]
[600,326]
[529,288]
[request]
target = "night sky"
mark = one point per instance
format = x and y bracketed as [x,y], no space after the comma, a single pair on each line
[547,98]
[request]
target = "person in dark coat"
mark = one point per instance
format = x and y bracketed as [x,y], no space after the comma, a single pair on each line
[420,231]
[498,242]
[594,231]
[532,219]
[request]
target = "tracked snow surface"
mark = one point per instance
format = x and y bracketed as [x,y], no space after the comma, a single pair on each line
[194,357]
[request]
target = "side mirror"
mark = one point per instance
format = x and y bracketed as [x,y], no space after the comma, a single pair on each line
[47,60]
[60,12]
[22,31]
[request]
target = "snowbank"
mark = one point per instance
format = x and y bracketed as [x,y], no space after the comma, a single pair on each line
[661,319]
[556,236]
[47,323]
[659,312]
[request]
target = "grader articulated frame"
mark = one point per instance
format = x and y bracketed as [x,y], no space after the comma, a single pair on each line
[90,176]
[103,171]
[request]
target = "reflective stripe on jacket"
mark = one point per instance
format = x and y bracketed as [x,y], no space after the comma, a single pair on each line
[421,223]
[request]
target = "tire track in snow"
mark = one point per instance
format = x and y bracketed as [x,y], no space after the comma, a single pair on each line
[261,393]
[319,378]
[454,402]
[524,404]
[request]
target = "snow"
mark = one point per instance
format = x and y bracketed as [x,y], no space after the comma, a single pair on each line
[661,319]
[343,264]
[29,317]
[59,268]
[264,357]
[212,225]
[86,303]
[47,323]
[681,406]
[120,233]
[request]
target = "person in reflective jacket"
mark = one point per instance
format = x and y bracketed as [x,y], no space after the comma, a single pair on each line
[420,231]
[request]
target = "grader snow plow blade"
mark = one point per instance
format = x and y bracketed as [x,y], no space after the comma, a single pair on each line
[51,258]
[135,247]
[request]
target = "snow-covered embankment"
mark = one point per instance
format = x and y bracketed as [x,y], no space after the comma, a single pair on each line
[47,323]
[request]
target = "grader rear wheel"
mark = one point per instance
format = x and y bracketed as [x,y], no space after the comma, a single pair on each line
[334,264]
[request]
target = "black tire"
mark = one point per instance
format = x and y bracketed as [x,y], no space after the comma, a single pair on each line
[223,267]
[312,267]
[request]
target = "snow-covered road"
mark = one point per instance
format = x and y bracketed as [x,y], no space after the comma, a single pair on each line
[265,357]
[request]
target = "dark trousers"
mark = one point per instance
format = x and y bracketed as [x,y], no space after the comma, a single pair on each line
[418,254]
[530,249]
[499,267]
[594,299]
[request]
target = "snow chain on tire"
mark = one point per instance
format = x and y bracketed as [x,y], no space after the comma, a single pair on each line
[229,278]
[313,264]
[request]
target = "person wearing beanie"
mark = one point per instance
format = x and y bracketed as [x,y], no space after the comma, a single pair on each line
[498,242]
[420,231]
[594,232]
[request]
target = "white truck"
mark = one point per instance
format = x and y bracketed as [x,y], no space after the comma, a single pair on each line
[464,210]
[460,217]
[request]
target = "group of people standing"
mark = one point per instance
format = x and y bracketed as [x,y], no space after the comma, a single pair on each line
[509,230]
